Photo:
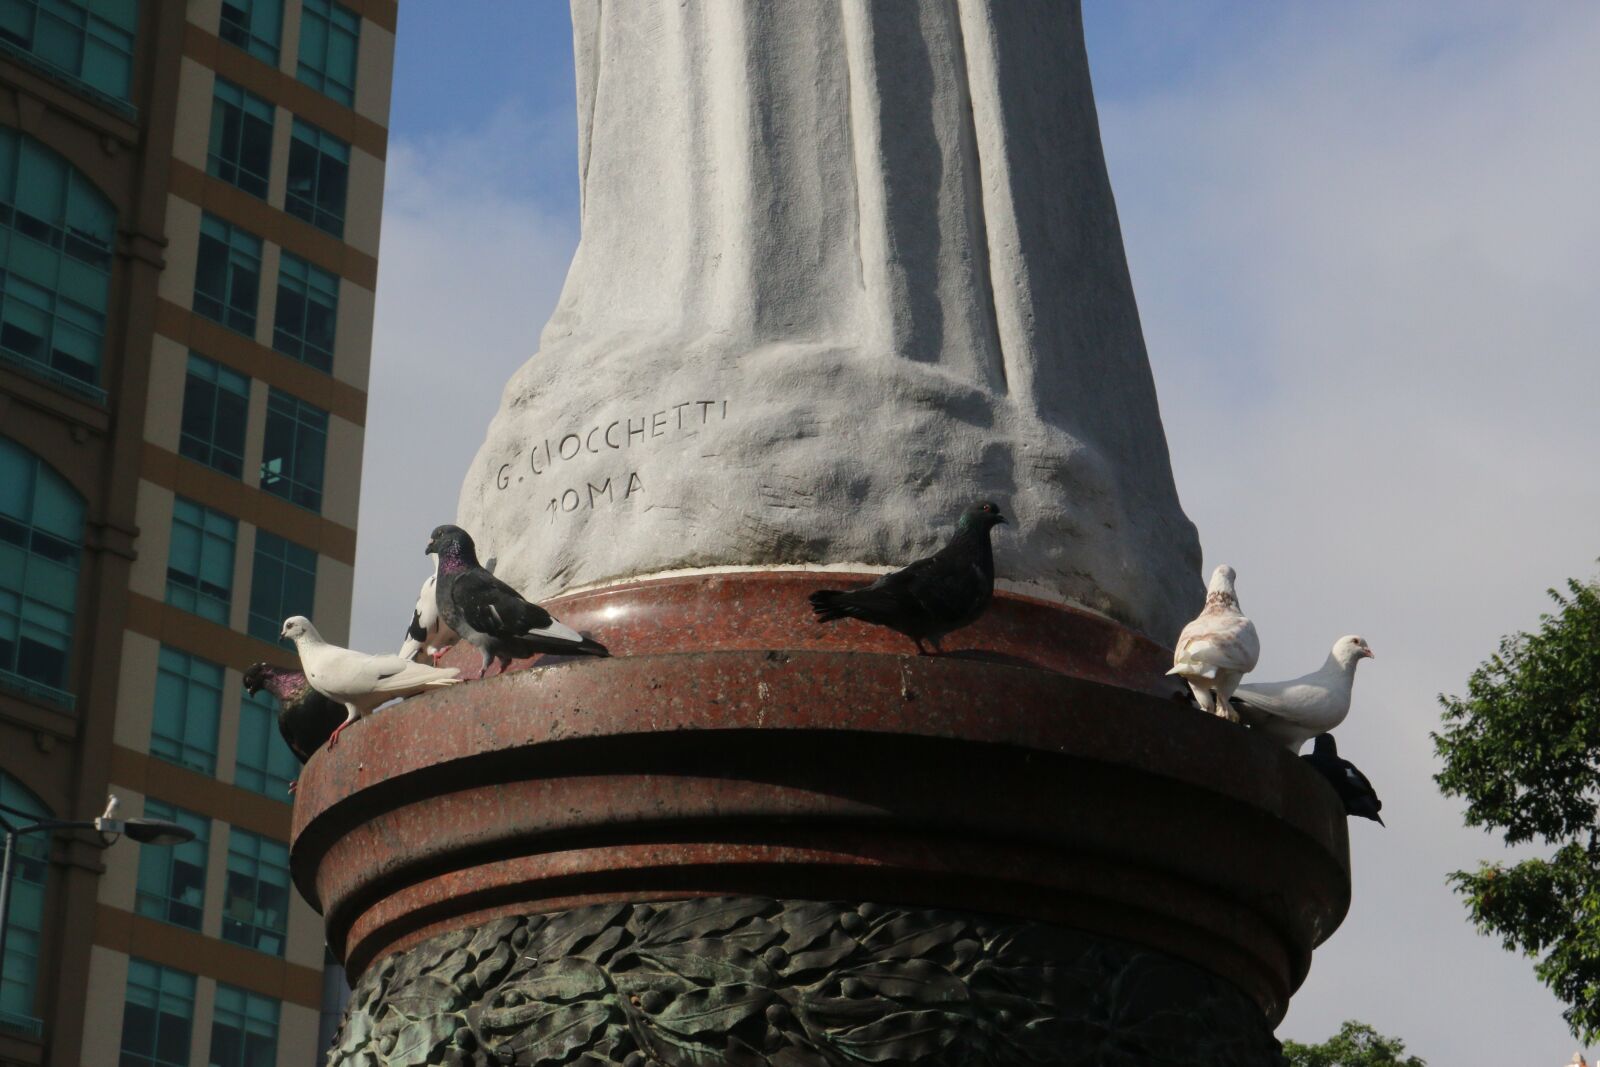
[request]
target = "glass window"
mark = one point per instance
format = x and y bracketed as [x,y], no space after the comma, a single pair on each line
[330,36]
[241,138]
[254,25]
[200,560]
[307,312]
[282,583]
[216,403]
[41,542]
[227,275]
[172,878]
[56,236]
[89,42]
[255,911]
[292,457]
[157,1017]
[264,764]
[319,171]
[188,708]
[19,972]
[244,1030]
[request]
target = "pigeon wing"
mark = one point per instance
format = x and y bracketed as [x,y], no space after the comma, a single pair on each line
[1222,642]
[945,589]
[490,606]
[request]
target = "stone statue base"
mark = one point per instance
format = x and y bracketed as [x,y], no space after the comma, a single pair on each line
[1068,864]
[752,980]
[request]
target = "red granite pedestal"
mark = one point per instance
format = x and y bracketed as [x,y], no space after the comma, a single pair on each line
[1033,807]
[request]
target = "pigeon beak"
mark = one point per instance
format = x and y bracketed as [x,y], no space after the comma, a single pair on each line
[1369,653]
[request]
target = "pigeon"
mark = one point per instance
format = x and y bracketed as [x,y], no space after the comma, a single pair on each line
[1217,648]
[931,597]
[1294,712]
[306,718]
[427,630]
[489,614]
[1352,786]
[358,681]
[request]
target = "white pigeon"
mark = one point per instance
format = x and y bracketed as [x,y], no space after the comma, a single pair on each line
[358,681]
[428,630]
[1295,711]
[1217,648]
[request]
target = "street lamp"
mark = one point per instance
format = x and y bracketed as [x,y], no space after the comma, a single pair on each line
[145,831]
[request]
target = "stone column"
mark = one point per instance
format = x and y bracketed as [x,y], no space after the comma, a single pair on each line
[845,268]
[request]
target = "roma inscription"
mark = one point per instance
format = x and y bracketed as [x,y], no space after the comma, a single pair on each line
[669,425]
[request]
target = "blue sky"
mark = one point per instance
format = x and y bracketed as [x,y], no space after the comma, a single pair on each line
[1364,238]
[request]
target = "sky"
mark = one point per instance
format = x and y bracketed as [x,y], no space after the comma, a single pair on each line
[1365,241]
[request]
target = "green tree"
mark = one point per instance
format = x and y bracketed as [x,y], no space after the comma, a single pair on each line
[1523,749]
[1355,1045]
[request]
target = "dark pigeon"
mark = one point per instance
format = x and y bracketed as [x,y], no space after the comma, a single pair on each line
[492,616]
[306,718]
[931,597]
[1352,786]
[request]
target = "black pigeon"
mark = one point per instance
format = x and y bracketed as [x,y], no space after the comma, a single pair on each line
[1352,786]
[932,596]
[492,616]
[306,718]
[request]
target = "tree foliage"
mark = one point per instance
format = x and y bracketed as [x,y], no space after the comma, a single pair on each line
[1523,749]
[1355,1045]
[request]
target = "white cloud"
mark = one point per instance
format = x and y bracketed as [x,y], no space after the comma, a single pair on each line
[471,265]
[1366,247]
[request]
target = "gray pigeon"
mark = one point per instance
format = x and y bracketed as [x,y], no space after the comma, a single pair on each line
[931,597]
[489,614]
[1352,786]
[306,718]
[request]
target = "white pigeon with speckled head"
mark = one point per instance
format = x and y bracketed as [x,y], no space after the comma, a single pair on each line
[1295,711]
[1217,648]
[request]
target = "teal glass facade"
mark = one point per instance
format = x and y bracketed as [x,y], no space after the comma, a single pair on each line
[306,318]
[294,451]
[90,43]
[255,26]
[216,407]
[188,711]
[240,150]
[57,232]
[41,546]
[319,177]
[227,275]
[263,763]
[19,971]
[200,560]
[157,1016]
[255,906]
[172,878]
[330,40]
[244,1029]
[283,582]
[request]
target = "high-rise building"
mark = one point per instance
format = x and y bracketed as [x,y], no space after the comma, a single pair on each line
[190,193]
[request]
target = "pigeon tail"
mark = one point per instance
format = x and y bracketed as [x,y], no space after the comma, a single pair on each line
[829,604]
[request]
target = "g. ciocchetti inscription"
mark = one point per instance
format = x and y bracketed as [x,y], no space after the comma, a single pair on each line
[552,463]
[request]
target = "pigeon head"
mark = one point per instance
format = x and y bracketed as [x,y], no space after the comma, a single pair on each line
[1219,591]
[275,680]
[452,545]
[981,516]
[256,677]
[298,626]
[1351,649]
